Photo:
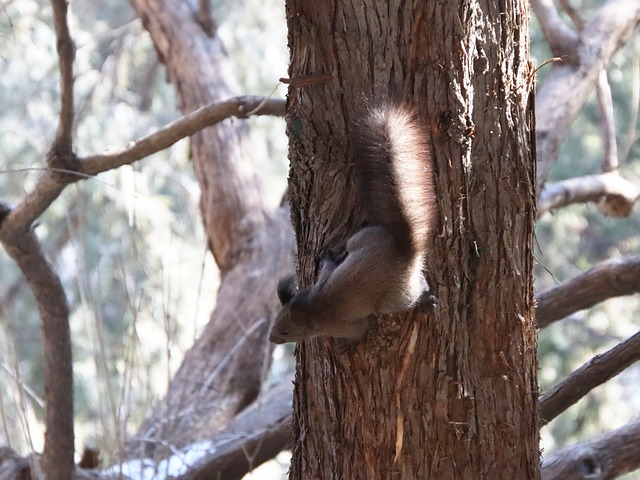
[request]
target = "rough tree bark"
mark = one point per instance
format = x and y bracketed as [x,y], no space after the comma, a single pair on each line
[451,395]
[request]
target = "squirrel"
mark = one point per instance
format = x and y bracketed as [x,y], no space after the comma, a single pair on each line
[381,271]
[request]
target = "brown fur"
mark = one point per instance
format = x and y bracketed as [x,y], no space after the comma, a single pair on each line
[382,271]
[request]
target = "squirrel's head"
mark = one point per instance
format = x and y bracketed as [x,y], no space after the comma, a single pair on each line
[291,324]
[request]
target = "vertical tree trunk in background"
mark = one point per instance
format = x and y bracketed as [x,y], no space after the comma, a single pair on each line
[222,372]
[450,395]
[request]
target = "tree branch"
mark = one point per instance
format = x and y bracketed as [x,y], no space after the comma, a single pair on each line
[607,123]
[604,457]
[205,18]
[52,183]
[58,454]
[568,86]
[616,196]
[612,278]
[596,371]
[66,54]
[23,246]
[254,436]
[634,101]
[575,16]
[238,107]
[562,40]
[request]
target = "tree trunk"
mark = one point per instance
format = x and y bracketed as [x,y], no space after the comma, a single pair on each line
[451,395]
[222,373]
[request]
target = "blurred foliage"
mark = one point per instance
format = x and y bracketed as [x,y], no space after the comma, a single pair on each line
[129,243]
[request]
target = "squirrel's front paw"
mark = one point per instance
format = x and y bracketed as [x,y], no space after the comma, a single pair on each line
[427,302]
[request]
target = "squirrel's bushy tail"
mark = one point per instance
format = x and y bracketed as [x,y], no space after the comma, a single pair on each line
[394,168]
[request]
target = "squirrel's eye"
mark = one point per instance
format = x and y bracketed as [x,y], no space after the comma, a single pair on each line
[285,332]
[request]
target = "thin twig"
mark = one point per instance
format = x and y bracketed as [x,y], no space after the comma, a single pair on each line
[634,101]
[607,123]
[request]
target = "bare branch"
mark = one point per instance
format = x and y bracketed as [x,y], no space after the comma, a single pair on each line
[634,101]
[607,123]
[575,16]
[562,40]
[10,294]
[256,435]
[604,457]
[615,196]
[568,86]
[596,371]
[15,467]
[58,454]
[205,19]
[612,278]
[188,125]
[23,246]
[52,183]
[66,54]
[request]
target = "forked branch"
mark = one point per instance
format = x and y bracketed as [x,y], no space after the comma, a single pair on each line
[568,85]
[52,183]
[562,40]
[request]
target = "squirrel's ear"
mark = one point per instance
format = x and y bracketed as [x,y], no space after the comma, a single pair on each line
[287,289]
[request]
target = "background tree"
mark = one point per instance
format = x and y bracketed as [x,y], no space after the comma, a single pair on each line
[115,294]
